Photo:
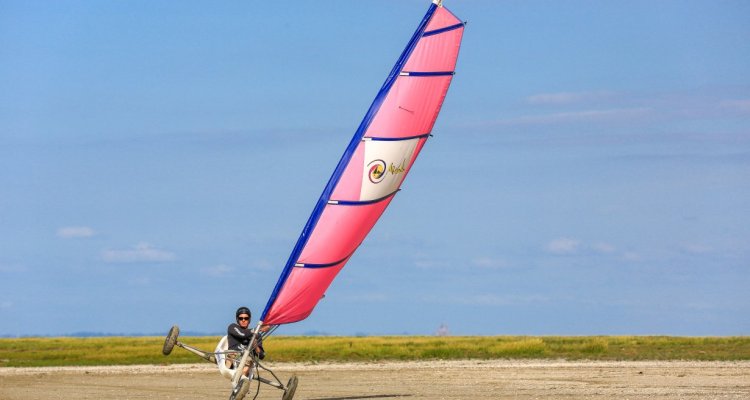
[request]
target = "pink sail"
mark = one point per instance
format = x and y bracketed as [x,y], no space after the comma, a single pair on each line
[373,167]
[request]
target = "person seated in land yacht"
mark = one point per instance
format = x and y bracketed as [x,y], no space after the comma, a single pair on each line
[239,336]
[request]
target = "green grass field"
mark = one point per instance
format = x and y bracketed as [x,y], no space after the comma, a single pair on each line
[27,352]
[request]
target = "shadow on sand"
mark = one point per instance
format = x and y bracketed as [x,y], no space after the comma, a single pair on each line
[374,396]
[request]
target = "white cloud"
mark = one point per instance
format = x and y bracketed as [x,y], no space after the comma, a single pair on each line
[265,265]
[742,106]
[608,115]
[256,266]
[425,263]
[562,98]
[631,256]
[12,268]
[622,109]
[6,305]
[140,281]
[602,247]
[571,246]
[563,246]
[487,299]
[142,252]
[696,248]
[218,271]
[75,232]
[372,297]
[489,263]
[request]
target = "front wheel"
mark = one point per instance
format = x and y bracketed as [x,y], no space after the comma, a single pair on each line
[290,388]
[170,340]
[240,390]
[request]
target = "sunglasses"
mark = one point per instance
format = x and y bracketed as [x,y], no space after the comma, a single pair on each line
[243,318]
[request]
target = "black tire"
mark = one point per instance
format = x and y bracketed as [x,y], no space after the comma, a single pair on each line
[170,340]
[291,387]
[238,393]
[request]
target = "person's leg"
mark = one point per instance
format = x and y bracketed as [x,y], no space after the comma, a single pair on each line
[246,370]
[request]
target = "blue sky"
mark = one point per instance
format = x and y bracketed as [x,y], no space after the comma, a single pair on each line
[589,172]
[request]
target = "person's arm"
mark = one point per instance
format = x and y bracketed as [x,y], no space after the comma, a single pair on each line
[259,349]
[239,333]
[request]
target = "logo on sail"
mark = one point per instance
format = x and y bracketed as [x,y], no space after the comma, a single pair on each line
[377,171]
[393,169]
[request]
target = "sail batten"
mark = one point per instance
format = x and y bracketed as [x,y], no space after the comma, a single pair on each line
[427,73]
[365,202]
[391,139]
[327,265]
[373,167]
[446,29]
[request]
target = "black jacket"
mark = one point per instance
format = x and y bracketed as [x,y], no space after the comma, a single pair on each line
[238,338]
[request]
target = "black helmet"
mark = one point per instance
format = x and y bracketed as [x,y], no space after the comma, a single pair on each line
[243,310]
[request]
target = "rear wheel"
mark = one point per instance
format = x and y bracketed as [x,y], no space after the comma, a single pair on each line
[290,388]
[170,340]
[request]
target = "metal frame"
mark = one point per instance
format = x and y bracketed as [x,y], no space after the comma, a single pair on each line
[248,358]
